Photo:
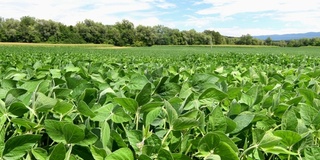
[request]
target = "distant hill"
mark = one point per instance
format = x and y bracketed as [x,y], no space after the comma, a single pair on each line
[278,37]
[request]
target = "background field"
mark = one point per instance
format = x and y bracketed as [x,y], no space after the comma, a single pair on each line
[160,102]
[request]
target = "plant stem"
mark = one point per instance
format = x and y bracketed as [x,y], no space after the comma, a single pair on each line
[248,149]
[166,136]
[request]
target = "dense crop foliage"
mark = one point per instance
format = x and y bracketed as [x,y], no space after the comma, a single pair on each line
[158,103]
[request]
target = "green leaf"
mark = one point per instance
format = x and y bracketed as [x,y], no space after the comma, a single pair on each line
[171,112]
[242,121]
[44,103]
[105,133]
[89,139]
[289,138]
[63,107]
[129,104]
[308,113]
[307,94]
[121,154]
[226,152]
[24,122]
[39,153]
[17,146]
[119,115]
[183,123]
[224,138]
[278,150]
[135,138]
[150,106]
[164,155]
[269,140]
[137,82]
[55,130]
[18,109]
[145,95]
[72,133]
[103,113]
[213,93]
[98,153]
[85,110]
[58,152]
[151,116]
[312,153]
[62,92]
[289,120]
[209,142]
[217,121]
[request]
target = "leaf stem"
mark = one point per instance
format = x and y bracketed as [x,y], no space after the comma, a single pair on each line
[248,149]
[166,136]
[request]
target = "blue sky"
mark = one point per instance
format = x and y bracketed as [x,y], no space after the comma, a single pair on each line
[229,17]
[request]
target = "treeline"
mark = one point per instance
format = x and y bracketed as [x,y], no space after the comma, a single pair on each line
[31,30]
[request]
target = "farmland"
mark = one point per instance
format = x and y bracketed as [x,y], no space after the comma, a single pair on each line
[161,102]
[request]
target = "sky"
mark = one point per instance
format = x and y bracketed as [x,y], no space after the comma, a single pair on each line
[229,17]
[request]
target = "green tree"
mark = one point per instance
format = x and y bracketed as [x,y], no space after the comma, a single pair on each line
[127,32]
[268,41]
[47,29]
[27,31]
[144,35]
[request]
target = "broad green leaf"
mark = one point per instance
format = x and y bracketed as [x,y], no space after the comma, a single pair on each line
[183,123]
[44,103]
[137,82]
[118,139]
[224,138]
[98,153]
[39,153]
[164,155]
[242,121]
[151,116]
[150,106]
[213,93]
[24,122]
[55,73]
[18,109]
[171,112]
[289,138]
[307,94]
[89,139]
[269,140]
[103,113]
[58,152]
[55,130]
[312,153]
[72,133]
[145,95]
[85,110]
[180,156]
[121,154]
[217,121]
[308,113]
[289,120]
[119,115]
[129,104]
[203,81]
[63,107]
[135,138]
[62,92]
[209,142]
[226,152]
[104,133]
[17,146]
